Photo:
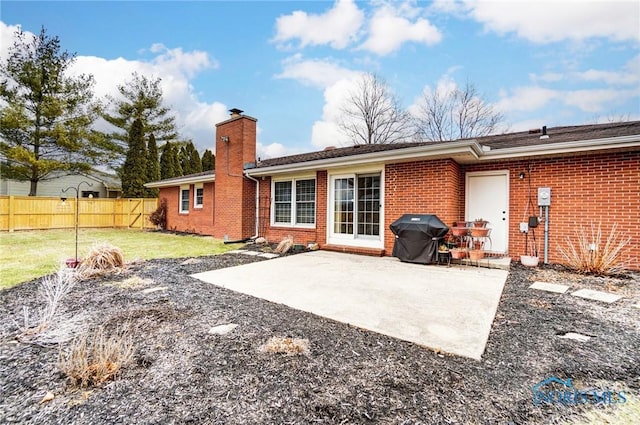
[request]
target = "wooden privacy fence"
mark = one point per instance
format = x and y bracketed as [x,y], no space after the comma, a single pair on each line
[31,212]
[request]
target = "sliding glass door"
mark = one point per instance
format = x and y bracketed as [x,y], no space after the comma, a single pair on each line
[356,209]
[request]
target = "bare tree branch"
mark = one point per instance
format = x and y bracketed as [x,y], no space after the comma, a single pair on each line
[457,114]
[373,115]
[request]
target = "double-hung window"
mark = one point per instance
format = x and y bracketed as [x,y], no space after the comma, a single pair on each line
[294,202]
[198,196]
[184,199]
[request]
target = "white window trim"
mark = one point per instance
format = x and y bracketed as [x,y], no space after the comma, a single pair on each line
[196,205]
[180,210]
[293,223]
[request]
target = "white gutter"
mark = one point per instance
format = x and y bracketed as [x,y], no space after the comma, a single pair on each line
[469,147]
[257,203]
[207,178]
[563,148]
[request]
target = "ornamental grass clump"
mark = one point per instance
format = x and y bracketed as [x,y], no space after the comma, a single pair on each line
[95,357]
[101,259]
[288,346]
[590,253]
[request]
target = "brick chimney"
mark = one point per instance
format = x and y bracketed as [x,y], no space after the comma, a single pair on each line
[234,216]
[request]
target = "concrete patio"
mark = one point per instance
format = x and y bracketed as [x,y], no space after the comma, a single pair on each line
[445,308]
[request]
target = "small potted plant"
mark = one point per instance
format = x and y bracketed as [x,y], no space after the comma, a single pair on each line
[459,228]
[476,254]
[480,222]
[458,253]
[479,232]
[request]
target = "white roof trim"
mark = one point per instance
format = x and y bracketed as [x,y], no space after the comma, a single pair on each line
[609,143]
[468,148]
[182,180]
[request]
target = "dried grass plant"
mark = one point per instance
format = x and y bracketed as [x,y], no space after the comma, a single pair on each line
[288,346]
[285,245]
[47,325]
[96,357]
[101,259]
[590,253]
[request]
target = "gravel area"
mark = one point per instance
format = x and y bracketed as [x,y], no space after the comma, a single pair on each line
[183,374]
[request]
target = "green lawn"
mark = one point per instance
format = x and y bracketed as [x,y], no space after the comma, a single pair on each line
[31,254]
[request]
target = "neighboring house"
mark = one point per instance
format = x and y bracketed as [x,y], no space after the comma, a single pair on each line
[345,199]
[103,185]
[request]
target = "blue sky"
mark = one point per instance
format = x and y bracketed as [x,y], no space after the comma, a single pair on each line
[291,64]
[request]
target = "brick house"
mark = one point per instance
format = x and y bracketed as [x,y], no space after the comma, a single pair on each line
[345,198]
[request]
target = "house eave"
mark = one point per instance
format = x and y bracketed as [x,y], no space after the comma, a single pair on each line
[468,149]
[180,181]
[564,148]
[463,152]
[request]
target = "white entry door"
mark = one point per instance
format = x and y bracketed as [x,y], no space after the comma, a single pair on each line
[487,197]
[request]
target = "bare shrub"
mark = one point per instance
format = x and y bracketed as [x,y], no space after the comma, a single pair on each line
[101,259]
[47,325]
[590,253]
[159,216]
[96,357]
[289,346]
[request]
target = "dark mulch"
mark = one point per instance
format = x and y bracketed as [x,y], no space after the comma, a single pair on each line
[183,374]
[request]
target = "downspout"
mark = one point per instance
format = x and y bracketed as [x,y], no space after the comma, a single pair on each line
[257,203]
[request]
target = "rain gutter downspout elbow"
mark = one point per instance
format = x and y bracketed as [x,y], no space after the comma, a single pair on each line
[257,203]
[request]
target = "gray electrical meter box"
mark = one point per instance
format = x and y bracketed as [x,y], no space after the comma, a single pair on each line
[544,196]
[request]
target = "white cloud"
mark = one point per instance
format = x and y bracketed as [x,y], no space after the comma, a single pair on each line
[551,21]
[547,77]
[273,150]
[326,132]
[337,27]
[175,67]
[534,98]
[392,25]
[315,72]
[529,98]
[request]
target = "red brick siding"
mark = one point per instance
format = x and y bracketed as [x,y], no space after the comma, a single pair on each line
[235,194]
[584,189]
[299,235]
[197,220]
[424,187]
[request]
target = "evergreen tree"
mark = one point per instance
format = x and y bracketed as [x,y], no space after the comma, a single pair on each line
[167,167]
[195,164]
[208,160]
[170,162]
[134,171]
[141,98]
[175,160]
[153,166]
[46,115]
[183,158]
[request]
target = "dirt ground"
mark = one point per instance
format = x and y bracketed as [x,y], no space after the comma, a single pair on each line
[183,374]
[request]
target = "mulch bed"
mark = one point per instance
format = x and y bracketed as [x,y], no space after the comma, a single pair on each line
[183,374]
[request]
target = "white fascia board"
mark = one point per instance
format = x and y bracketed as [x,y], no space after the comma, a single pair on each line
[181,181]
[609,143]
[417,153]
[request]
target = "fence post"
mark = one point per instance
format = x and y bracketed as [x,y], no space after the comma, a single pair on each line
[11,223]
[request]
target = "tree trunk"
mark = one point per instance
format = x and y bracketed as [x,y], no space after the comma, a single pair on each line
[34,188]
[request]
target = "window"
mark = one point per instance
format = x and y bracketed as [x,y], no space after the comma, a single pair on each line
[184,199]
[198,197]
[282,202]
[294,202]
